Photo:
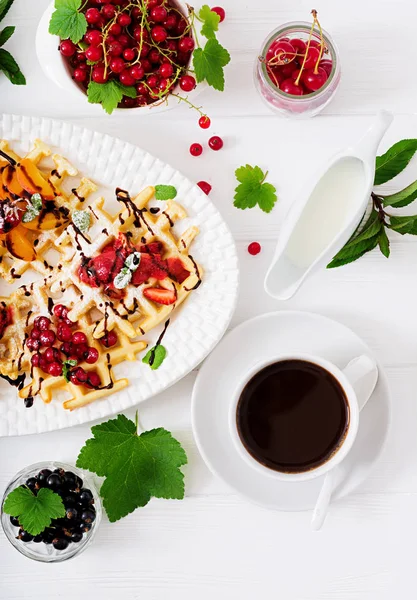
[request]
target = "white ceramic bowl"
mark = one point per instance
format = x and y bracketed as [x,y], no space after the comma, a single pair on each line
[56,69]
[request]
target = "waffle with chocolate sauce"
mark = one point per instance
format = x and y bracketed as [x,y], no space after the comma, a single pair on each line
[92,308]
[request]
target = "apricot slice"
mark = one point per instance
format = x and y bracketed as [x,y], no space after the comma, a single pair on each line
[32,180]
[18,244]
[10,181]
[43,222]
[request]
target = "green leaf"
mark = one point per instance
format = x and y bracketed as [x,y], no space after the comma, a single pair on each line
[252,189]
[6,34]
[36,201]
[209,62]
[33,209]
[10,68]
[109,94]
[66,368]
[155,357]
[67,21]
[361,243]
[404,225]
[35,513]
[136,467]
[4,7]
[403,198]
[81,219]
[165,192]
[394,160]
[123,278]
[210,20]
[383,242]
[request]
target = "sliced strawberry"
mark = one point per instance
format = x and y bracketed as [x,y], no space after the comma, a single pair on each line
[144,271]
[177,270]
[108,248]
[87,276]
[123,244]
[159,267]
[103,265]
[152,248]
[160,295]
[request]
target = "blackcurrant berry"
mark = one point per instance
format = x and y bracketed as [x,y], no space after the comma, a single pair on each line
[43,476]
[76,537]
[71,513]
[88,516]
[60,543]
[31,483]
[48,535]
[38,539]
[54,481]
[14,521]
[70,480]
[24,536]
[70,500]
[86,497]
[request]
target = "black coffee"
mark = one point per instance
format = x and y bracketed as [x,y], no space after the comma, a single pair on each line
[292,416]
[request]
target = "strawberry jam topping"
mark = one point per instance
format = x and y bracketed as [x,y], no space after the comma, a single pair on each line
[103,268]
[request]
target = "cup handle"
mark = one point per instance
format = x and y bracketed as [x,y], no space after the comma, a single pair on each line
[362,373]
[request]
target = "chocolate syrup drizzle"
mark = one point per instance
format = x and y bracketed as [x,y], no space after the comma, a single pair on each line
[158,342]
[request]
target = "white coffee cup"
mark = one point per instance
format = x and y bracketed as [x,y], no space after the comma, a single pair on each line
[350,380]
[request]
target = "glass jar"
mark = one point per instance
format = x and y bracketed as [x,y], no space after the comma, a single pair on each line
[288,105]
[46,552]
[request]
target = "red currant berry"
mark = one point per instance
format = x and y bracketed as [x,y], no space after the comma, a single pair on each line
[117,65]
[115,29]
[136,12]
[33,344]
[186,44]
[163,84]
[92,16]
[124,40]
[55,369]
[254,248]
[108,11]
[81,57]
[215,142]
[159,14]
[92,356]
[170,22]
[109,339]
[93,37]
[154,56]
[47,338]
[290,87]
[187,83]
[124,20]
[128,102]
[66,348]
[129,54]
[220,11]
[79,338]
[140,33]
[137,72]
[152,81]
[99,75]
[206,187]
[79,75]
[145,51]
[78,376]
[35,333]
[94,53]
[67,48]
[204,122]
[196,149]
[43,364]
[51,354]
[64,332]
[166,70]
[171,46]
[42,323]
[141,89]
[181,27]
[115,49]
[80,350]
[94,380]
[35,359]
[126,78]
[146,64]
[159,34]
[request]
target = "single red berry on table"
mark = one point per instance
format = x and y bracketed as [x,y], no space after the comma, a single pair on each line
[254,248]
[215,142]
[187,83]
[67,48]
[159,34]
[206,187]
[204,122]
[196,149]
[220,11]
[92,16]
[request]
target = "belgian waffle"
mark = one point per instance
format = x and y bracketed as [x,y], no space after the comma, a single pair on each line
[94,312]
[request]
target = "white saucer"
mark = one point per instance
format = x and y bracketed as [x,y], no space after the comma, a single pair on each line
[260,339]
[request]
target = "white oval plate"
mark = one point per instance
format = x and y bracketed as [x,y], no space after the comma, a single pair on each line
[199,323]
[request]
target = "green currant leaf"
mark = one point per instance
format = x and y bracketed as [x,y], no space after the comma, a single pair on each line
[66,368]
[109,94]
[67,21]
[209,62]
[35,513]
[210,20]
[253,190]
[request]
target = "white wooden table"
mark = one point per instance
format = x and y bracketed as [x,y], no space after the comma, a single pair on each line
[214,544]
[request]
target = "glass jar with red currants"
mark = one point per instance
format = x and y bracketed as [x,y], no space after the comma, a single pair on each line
[298,70]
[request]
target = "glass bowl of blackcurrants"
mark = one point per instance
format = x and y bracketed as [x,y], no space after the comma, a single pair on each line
[66,537]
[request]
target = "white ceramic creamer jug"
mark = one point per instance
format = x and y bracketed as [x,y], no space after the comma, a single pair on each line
[326,213]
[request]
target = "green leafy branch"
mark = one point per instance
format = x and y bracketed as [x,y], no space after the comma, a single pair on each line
[209,62]
[8,65]
[374,232]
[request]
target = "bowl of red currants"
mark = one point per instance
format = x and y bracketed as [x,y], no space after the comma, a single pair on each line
[298,70]
[135,53]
